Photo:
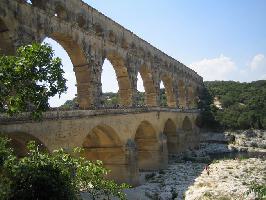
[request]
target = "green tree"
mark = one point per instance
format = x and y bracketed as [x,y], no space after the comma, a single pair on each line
[243,104]
[57,175]
[29,79]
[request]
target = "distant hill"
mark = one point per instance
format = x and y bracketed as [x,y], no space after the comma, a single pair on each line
[234,105]
[224,104]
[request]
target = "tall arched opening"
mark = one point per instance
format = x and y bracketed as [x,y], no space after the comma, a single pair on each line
[102,143]
[65,99]
[170,131]
[149,86]
[125,90]
[110,88]
[162,95]
[191,96]
[150,151]
[81,69]
[170,97]
[6,44]
[140,92]
[181,94]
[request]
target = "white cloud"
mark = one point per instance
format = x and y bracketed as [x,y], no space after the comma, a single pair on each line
[223,68]
[258,61]
[220,68]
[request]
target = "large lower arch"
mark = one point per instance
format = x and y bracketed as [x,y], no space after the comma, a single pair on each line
[149,86]
[151,153]
[125,90]
[102,143]
[19,141]
[81,68]
[169,92]
[190,138]
[181,94]
[170,131]
[6,44]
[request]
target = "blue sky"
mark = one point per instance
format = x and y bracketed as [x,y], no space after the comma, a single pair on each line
[221,40]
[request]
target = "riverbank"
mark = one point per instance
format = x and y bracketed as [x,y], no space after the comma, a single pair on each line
[229,178]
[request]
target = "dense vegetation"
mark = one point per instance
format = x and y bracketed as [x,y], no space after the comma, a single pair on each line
[57,175]
[242,105]
[29,79]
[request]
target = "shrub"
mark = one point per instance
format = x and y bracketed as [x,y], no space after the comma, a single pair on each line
[41,75]
[258,189]
[58,175]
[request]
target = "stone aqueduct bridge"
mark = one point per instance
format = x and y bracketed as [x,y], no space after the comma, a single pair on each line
[126,140]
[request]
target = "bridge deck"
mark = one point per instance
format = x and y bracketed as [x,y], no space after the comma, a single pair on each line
[72,114]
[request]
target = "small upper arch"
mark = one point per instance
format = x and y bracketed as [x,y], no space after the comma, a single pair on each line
[60,11]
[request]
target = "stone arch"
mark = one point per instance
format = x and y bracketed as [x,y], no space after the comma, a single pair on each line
[190,138]
[81,67]
[81,21]
[6,44]
[169,92]
[170,131]
[19,141]
[196,96]
[149,86]
[102,136]
[191,96]
[60,11]
[125,91]
[181,94]
[103,143]
[187,124]
[148,147]
[199,121]
[99,31]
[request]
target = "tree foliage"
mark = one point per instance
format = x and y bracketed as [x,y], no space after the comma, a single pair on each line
[243,104]
[29,79]
[57,175]
[258,189]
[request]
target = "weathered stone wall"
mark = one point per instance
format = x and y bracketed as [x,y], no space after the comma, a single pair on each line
[89,37]
[125,141]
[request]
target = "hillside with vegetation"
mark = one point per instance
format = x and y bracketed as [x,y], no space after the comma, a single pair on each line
[224,104]
[234,105]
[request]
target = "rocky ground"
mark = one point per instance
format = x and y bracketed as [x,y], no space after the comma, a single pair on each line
[187,179]
[228,179]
